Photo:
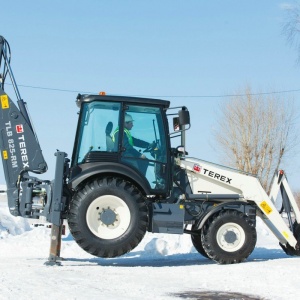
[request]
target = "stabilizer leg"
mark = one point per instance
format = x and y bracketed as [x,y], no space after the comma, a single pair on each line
[55,246]
[56,208]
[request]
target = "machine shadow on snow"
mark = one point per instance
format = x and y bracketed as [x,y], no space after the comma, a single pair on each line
[264,254]
[141,259]
[136,259]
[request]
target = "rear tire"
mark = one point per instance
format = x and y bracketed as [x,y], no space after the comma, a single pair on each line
[229,237]
[108,217]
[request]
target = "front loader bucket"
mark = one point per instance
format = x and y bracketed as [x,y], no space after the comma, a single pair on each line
[290,250]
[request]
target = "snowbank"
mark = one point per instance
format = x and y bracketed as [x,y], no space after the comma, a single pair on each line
[10,225]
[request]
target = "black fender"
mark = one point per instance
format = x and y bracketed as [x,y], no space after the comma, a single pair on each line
[83,172]
[241,206]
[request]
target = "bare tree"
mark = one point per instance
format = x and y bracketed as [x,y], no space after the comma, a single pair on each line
[256,132]
[291,26]
[297,198]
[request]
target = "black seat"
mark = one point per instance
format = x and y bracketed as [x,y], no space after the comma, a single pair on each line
[109,142]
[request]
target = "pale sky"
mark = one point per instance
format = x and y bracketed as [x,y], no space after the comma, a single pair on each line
[189,52]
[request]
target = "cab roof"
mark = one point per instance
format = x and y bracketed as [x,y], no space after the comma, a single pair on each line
[136,100]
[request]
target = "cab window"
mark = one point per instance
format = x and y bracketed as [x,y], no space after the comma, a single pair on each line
[98,121]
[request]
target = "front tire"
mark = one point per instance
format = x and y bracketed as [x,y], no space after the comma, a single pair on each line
[229,237]
[108,217]
[197,243]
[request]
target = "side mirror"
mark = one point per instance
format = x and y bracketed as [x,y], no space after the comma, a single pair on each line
[184,117]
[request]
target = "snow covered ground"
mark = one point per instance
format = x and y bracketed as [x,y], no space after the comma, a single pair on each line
[161,267]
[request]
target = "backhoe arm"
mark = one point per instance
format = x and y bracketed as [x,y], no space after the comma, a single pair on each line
[20,149]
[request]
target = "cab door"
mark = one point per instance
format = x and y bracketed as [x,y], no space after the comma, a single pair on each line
[144,144]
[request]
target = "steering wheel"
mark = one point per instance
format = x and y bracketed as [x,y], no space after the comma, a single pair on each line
[150,148]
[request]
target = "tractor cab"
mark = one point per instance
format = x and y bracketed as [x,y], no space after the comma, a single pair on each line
[126,136]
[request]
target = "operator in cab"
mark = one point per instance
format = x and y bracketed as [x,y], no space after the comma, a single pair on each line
[129,142]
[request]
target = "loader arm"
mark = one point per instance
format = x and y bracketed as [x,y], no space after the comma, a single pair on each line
[206,177]
[20,149]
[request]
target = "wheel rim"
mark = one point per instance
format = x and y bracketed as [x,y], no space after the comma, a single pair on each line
[108,217]
[231,237]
